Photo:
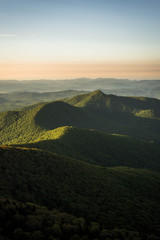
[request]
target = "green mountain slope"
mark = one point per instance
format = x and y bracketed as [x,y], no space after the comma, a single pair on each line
[134,105]
[19,126]
[98,148]
[118,197]
[111,114]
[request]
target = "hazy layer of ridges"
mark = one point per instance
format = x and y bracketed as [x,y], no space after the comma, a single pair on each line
[121,87]
[17,100]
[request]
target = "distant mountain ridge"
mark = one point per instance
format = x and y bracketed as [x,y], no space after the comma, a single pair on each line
[17,100]
[125,87]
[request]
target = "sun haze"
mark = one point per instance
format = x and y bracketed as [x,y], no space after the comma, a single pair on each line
[80,38]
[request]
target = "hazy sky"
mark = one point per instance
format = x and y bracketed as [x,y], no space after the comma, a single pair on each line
[79,38]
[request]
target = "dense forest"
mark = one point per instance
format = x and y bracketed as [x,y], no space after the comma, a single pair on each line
[99,148]
[83,168]
[119,197]
[29,221]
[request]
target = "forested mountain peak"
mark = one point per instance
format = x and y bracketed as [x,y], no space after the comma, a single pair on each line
[136,117]
[98,99]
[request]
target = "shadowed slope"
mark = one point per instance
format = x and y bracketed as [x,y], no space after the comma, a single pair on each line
[134,116]
[98,148]
[56,114]
[110,114]
[117,197]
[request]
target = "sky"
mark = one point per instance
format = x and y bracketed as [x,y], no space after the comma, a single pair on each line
[57,39]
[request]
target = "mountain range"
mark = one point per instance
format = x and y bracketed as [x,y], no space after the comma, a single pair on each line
[94,156]
[17,94]
[135,117]
[150,88]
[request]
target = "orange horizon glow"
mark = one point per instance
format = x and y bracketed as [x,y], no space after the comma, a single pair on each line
[35,71]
